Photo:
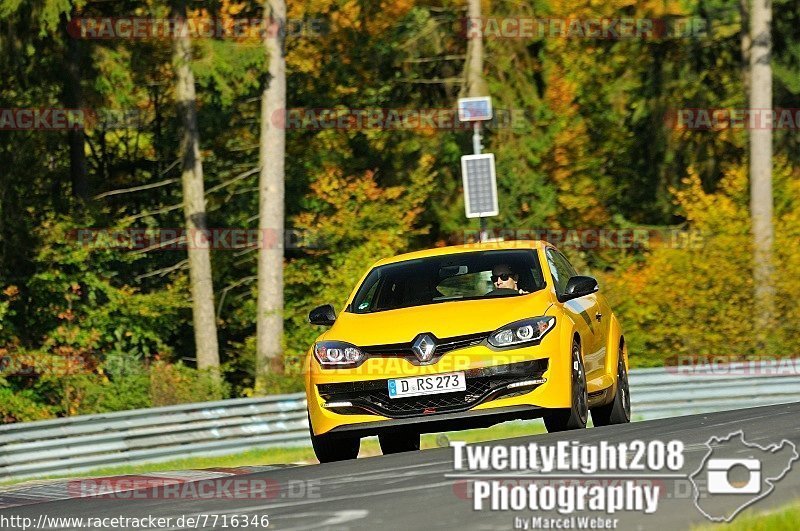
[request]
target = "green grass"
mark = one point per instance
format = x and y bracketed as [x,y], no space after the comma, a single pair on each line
[784,518]
[272,456]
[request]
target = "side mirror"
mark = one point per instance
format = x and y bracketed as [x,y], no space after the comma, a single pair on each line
[578,286]
[323,315]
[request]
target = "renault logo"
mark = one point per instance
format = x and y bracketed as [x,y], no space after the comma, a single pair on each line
[423,347]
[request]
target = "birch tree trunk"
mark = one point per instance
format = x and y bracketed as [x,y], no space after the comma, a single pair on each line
[474,84]
[269,319]
[194,206]
[761,163]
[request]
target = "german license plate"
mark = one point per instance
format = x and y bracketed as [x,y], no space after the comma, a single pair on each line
[427,385]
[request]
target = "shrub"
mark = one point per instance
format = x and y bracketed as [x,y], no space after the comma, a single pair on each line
[21,406]
[699,301]
[177,384]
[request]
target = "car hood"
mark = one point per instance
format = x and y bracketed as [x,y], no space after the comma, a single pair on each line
[446,319]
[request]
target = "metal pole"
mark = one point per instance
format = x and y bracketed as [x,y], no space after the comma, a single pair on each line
[476,148]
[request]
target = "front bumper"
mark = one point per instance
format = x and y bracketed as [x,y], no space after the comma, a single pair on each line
[483,384]
[487,400]
[481,418]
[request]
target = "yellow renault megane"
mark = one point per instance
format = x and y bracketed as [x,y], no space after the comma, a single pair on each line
[464,337]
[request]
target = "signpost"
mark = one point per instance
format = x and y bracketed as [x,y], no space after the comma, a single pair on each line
[480,185]
[475,109]
[477,170]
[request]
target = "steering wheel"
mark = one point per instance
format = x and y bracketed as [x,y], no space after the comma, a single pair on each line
[502,291]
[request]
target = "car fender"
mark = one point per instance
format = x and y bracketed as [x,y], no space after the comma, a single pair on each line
[560,366]
[310,398]
[612,347]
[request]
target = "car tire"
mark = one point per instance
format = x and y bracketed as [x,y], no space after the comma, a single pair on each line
[618,411]
[397,442]
[575,417]
[329,449]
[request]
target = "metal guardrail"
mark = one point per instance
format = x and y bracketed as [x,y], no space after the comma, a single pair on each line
[77,444]
[679,391]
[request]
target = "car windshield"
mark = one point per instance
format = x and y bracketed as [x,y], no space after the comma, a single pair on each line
[453,277]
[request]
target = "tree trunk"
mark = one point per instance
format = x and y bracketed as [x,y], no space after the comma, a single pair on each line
[761,163]
[474,84]
[73,99]
[745,43]
[205,327]
[269,318]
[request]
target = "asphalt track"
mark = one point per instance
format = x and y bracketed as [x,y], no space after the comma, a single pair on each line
[411,491]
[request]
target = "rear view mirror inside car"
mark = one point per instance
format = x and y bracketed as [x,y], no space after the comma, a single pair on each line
[452,271]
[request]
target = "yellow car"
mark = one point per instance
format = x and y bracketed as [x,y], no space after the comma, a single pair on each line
[464,337]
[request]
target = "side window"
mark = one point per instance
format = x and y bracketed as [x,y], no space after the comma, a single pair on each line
[560,268]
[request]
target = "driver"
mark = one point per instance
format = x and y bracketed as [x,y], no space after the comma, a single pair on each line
[503,277]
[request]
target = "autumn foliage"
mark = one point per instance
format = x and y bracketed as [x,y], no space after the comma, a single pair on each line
[89,329]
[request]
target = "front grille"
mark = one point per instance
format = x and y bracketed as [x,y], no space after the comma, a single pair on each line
[443,346]
[482,385]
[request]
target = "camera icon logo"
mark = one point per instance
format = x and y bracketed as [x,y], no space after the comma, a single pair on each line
[735,474]
[719,480]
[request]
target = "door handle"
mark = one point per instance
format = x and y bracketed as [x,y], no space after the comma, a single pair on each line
[598,316]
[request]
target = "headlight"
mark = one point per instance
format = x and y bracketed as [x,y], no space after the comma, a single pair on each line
[521,332]
[337,354]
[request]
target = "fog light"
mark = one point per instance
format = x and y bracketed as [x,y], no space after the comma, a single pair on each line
[337,404]
[526,383]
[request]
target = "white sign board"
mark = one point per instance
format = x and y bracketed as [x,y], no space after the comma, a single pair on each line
[480,185]
[474,109]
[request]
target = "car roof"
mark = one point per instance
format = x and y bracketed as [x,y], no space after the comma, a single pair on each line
[468,248]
